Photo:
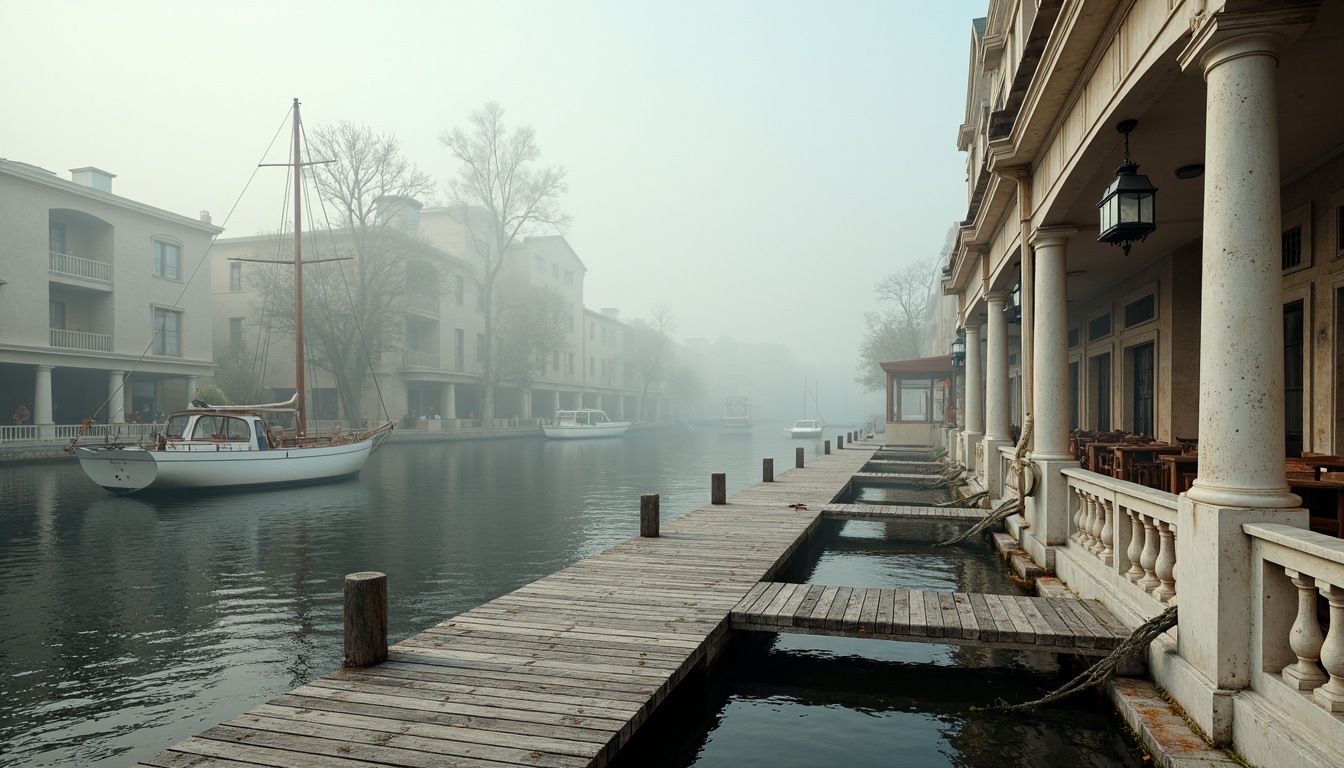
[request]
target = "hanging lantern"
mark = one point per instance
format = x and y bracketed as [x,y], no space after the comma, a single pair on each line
[959,352]
[1013,311]
[1128,209]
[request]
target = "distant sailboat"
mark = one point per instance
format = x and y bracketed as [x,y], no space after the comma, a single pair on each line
[806,428]
[232,446]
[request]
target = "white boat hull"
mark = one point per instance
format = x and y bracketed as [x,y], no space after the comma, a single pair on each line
[803,434]
[126,470]
[580,431]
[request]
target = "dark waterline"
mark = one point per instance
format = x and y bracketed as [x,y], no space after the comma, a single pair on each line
[128,624]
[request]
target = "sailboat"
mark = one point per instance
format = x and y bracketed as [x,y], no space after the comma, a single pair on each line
[806,428]
[228,447]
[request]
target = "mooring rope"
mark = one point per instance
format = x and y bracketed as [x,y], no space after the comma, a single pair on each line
[965,501]
[1002,512]
[1138,640]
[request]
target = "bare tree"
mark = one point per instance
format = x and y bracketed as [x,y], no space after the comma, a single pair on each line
[502,195]
[529,324]
[897,333]
[354,307]
[648,344]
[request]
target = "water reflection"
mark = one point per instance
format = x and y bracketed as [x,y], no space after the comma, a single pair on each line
[130,623]
[804,700]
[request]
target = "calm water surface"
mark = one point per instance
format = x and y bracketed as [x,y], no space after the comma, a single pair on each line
[128,624]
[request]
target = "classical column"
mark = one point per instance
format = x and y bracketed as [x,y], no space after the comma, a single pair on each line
[1241,440]
[191,389]
[996,370]
[1050,347]
[975,385]
[527,403]
[42,395]
[116,397]
[450,401]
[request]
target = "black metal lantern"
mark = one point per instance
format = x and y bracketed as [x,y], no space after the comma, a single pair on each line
[1128,209]
[1013,310]
[959,351]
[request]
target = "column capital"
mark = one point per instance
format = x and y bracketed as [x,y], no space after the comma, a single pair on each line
[998,297]
[1229,35]
[1055,234]
[45,367]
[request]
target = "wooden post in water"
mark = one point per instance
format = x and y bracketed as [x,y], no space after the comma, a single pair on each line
[648,516]
[365,619]
[839,442]
[828,447]
[798,458]
[718,488]
[767,470]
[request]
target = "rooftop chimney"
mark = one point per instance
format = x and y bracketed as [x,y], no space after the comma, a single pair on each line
[205,216]
[93,177]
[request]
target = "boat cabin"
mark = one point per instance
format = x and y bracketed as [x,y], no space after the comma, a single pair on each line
[586,417]
[216,431]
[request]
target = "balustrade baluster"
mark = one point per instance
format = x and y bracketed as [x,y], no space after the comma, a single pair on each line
[1305,637]
[1107,552]
[1331,695]
[1098,520]
[1135,549]
[1165,563]
[1085,529]
[1148,559]
[1077,535]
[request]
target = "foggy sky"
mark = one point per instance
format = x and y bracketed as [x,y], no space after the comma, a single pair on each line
[757,166]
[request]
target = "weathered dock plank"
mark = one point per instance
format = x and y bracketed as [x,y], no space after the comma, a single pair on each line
[954,618]
[563,670]
[887,512]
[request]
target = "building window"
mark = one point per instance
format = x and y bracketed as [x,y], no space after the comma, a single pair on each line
[592,366]
[235,277]
[569,363]
[56,237]
[569,323]
[460,349]
[56,312]
[167,260]
[1292,248]
[555,360]
[167,333]
[541,264]
[1140,311]
[1099,327]
[569,276]
[921,400]
[1339,231]
[1075,337]
[480,298]
[236,331]
[480,346]
[555,271]
[459,288]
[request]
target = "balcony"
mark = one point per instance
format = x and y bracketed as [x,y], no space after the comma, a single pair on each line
[423,303]
[412,359]
[86,342]
[74,266]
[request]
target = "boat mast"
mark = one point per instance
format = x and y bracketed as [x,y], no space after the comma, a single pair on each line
[301,413]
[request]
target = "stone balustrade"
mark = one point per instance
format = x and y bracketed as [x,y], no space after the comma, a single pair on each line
[1296,647]
[1128,528]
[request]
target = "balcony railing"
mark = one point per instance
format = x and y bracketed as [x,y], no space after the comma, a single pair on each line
[88,342]
[412,359]
[423,302]
[74,266]
[1129,528]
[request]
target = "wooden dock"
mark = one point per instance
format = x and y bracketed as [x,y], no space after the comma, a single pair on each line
[1062,625]
[889,512]
[564,670]
[558,673]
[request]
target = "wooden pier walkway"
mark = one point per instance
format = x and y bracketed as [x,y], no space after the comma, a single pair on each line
[558,673]
[563,671]
[887,512]
[1063,625]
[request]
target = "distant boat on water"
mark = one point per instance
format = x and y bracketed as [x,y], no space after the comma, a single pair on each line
[583,423]
[736,413]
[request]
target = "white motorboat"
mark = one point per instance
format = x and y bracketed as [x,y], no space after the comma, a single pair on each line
[805,429]
[232,446]
[584,422]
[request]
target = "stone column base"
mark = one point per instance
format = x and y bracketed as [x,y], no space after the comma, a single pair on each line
[1217,591]
[969,441]
[1047,511]
[988,465]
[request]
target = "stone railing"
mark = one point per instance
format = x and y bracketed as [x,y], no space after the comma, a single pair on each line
[89,269]
[1129,529]
[1006,454]
[412,359]
[16,433]
[126,433]
[1301,644]
[89,342]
